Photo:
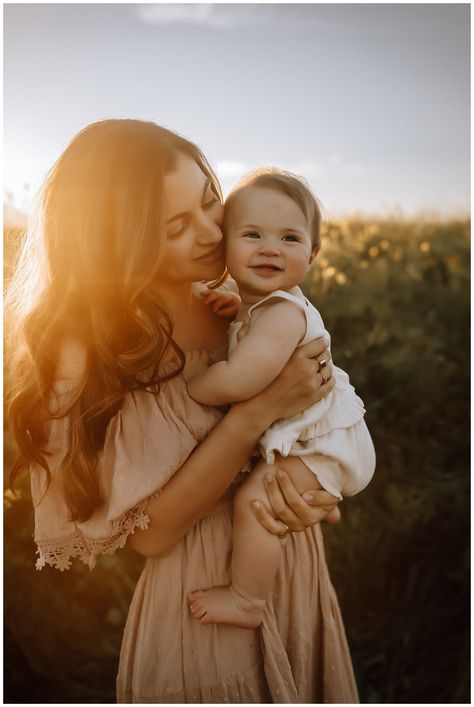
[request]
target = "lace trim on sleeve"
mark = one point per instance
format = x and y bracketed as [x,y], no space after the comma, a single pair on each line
[58,553]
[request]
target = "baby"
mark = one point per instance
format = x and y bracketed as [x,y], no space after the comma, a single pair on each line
[272,232]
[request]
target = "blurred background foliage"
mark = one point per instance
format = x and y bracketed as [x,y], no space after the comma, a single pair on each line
[395,296]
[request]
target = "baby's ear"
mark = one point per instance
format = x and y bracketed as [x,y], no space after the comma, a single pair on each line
[314,253]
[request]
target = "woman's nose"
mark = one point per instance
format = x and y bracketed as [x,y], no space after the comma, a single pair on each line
[209,230]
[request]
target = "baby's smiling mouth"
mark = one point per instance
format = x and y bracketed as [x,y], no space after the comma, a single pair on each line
[266,266]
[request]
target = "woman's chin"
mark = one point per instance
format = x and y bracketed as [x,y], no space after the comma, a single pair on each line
[212,271]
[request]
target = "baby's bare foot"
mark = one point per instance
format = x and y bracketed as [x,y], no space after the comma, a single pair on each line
[222,605]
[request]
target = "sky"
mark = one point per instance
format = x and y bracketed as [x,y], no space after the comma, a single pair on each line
[369,102]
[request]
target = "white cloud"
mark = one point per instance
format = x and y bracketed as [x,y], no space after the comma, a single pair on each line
[233,15]
[181,13]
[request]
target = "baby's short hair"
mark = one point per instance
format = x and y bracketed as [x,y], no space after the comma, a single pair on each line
[287,183]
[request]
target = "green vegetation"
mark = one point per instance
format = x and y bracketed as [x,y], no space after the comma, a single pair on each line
[395,297]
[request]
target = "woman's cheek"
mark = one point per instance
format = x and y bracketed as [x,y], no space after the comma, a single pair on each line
[218,214]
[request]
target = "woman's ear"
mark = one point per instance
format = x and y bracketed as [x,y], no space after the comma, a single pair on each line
[314,253]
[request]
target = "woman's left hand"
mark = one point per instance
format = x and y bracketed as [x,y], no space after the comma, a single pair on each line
[293,511]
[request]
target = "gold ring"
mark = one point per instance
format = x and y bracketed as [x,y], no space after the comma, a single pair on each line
[284,535]
[322,363]
[324,376]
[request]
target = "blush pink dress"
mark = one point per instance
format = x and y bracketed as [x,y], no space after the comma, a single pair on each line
[298,655]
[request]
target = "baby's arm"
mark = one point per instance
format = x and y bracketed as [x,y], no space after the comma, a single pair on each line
[274,333]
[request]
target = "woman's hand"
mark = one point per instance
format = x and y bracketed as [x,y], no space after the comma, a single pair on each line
[293,512]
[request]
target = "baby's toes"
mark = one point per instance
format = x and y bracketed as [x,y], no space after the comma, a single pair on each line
[204,617]
[193,596]
[194,608]
[201,614]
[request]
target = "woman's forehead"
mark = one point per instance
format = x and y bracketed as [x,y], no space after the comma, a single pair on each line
[183,185]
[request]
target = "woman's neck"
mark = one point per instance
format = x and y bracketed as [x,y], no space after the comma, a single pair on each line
[178,300]
[195,326]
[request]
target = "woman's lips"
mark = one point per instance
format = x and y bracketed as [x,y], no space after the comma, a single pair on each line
[211,255]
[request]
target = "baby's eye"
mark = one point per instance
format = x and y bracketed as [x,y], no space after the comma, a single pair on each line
[290,237]
[176,231]
[252,234]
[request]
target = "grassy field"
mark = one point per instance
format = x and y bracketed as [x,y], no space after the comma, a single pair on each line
[395,296]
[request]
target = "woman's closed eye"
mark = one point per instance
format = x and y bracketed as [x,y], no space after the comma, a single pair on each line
[176,230]
[210,200]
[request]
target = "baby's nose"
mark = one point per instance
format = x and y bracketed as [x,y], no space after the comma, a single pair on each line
[269,249]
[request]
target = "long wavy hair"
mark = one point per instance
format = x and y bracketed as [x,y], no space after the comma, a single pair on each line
[86,271]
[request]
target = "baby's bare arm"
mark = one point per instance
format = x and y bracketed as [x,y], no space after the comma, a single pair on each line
[257,360]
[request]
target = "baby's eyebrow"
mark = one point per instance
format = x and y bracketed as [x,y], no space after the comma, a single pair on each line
[290,229]
[183,213]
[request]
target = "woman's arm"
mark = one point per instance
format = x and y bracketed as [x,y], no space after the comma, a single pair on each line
[207,473]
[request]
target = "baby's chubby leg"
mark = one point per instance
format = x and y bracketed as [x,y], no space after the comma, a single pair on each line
[255,558]
[256,553]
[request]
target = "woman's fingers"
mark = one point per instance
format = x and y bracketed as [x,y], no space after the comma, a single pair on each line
[279,505]
[319,497]
[291,510]
[301,509]
[326,388]
[310,508]
[315,359]
[315,348]
[273,525]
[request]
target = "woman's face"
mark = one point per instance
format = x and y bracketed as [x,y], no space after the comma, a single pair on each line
[193,213]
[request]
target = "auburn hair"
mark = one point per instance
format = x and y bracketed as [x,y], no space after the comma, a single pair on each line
[85,271]
[287,183]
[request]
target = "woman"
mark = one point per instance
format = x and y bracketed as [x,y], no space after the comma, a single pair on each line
[131,217]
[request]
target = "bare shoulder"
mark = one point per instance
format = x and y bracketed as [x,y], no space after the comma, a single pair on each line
[280,314]
[72,363]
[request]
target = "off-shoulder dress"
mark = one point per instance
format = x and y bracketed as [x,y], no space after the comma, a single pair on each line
[298,655]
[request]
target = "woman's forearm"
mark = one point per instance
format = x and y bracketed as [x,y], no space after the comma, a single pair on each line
[202,480]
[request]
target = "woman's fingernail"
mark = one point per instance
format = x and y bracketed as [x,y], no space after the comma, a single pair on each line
[269,478]
[308,496]
[280,474]
[255,505]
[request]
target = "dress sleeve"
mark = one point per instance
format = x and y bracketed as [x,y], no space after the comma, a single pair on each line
[145,443]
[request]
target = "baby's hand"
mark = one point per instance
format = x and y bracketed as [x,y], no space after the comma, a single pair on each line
[222,302]
[196,362]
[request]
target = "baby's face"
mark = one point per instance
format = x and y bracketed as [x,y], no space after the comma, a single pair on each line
[268,241]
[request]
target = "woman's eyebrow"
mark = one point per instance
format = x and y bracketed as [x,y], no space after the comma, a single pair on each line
[183,213]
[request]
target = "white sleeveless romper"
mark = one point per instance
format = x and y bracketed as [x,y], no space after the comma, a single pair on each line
[330,436]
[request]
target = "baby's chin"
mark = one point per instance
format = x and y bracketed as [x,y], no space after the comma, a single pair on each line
[258,289]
